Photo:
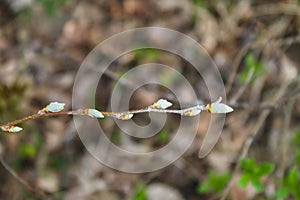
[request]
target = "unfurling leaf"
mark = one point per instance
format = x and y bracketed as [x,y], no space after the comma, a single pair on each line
[161,104]
[191,112]
[94,113]
[11,129]
[217,107]
[124,116]
[54,107]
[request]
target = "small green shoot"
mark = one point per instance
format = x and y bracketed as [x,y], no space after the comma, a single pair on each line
[252,65]
[215,183]
[163,137]
[139,192]
[290,185]
[148,54]
[27,151]
[52,6]
[252,173]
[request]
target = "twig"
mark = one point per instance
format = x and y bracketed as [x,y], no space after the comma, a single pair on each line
[243,87]
[248,142]
[235,66]
[21,180]
[277,42]
[284,142]
[277,8]
[55,109]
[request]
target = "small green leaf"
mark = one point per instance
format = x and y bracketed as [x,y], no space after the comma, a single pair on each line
[27,150]
[257,185]
[54,107]
[292,177]
[244,180]
[251,65]
[214,183]
[282,193]
[297,159]
[139,193]
[247,164]
[163,136]
[264,169]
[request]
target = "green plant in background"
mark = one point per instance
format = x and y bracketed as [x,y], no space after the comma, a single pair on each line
[52,6]
[296,143]
[139,192]
[10,100]
[289,186]
[252,173]
[252,66]
[149,54]
[215,183]
[163,137]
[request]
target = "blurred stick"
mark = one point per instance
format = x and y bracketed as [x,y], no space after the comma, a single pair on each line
[235,66]
[37,192]
[248,142]
[276,8]
[284,139]
[239,93]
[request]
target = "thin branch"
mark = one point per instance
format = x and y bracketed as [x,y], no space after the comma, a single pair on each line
[21,180]
[55,109]
[235,66]
[284,138]
[248,142]
[243,87]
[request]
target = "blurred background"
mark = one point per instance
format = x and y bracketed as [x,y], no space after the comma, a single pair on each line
[255,45]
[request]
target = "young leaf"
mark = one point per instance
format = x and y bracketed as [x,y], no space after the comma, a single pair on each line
[244,180]
[257,185]
[94,113]
[264,169]
[54,107]
[247,164]
[282,193]
[215,182]
[161,104]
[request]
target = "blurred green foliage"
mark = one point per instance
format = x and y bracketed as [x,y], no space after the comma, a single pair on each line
[252,65]
[289,186]
[58,161]
[10,100]
[163,137]
[215,182]
[252,172]
[116,137]
[52,6]
[139,192]
[148,54]
[27,151]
